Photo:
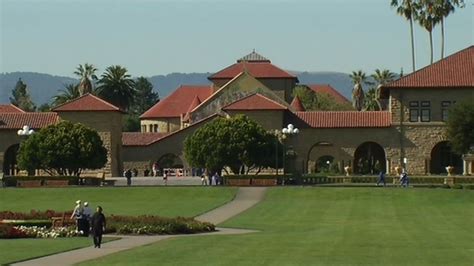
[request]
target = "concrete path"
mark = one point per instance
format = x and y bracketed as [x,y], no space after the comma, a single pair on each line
[246,197]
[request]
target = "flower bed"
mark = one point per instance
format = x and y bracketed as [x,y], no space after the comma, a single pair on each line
[148,225]
[25,225]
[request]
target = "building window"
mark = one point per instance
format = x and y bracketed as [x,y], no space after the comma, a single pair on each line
[150,128]
[414,111]
[425,111]
[444,110]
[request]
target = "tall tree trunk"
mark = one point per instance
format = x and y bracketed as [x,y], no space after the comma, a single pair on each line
[431,46]
[412,43]
[442,38]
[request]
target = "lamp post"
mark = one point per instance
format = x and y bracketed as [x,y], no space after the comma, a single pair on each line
[289,130]
[25,131]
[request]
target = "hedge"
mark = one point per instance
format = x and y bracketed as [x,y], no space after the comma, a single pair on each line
[11,181]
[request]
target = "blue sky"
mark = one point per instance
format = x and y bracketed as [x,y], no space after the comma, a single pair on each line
[160,37]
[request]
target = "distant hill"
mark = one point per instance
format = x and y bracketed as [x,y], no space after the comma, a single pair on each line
[43,87]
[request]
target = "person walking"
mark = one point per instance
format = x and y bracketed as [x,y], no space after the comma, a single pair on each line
[86,216]
[405,181]
[165,177]
[203,180]
[77,215]
[381,178]
[128,175]
[98,226]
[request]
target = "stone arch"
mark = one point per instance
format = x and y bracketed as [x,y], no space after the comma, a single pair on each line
[324,163]
[321,149]
[170,160]
[369,158]
[442,156]
[9,161]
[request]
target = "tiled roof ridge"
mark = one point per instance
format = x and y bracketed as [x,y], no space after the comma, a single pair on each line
[115,108]
[297,105]
[395,83]
[18,109]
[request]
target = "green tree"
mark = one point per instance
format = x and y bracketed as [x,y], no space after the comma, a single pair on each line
[87,76]
[131,123]
[381,77]
[145,97]
[326,102]
[443,8]
[45,107]
[21,97]
[371,102]
[358,78]
[117,87]
[427,18]
[407,9]
[307,97]
[460,127]
[63,148]
[238,143]
[69,93]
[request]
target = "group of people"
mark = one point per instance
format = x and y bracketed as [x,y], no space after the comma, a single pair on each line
[87,222]
[404,181]
[214,179]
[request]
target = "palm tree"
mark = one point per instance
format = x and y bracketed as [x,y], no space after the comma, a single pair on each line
[86,73]
[382,77]
[71,92]
[427,18]
[442,10]
[407,9]
[370,101]
[358,78]
[117,87]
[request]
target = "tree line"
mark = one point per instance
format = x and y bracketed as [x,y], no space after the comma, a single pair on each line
[428,14]
[115,85]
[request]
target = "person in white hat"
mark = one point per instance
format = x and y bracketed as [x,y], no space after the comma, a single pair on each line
[77,215]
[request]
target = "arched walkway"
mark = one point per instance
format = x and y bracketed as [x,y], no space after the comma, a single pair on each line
[9,161]
[324,164]
[170,160]
[369,158]
[442,156]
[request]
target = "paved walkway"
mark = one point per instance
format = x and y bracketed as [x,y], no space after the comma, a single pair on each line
[246,197]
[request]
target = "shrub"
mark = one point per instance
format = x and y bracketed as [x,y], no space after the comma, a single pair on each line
[456,186]
[156,225]
[33,215]
[9,231]
[468,186]
[445,186]
[43,232]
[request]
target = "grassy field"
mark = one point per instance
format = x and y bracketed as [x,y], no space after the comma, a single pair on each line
[332,226]
[163,201]
[14,250]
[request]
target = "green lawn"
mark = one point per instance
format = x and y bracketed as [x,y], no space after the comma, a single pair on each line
[332,226]
[163,201]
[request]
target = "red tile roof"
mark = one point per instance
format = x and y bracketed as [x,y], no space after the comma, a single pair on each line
[327,89]
[254,102]
[456,70]
[346,119]
[33,120]
[10,108]
[86,103]
[261,69]
[140,139]
[178,102]
[297,105]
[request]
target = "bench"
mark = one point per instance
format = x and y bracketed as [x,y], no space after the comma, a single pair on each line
[28,183]
[64,220]
[56,183]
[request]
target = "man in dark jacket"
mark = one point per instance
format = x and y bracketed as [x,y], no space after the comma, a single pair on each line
[98,226]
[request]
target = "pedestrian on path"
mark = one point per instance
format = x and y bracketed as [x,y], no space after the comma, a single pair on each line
[77,215]
[381,178]
[98,226]
[203,180]
[165,177]
[128,175]
[86,215]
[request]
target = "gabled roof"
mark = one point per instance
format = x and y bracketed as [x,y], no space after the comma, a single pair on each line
[141,139]
[86,103]
[456,70]
[259,69]
[254,101]
[33,120]
[10,108]
[297,105]
[178,102]
[193,105]
[329,90]
[346,119]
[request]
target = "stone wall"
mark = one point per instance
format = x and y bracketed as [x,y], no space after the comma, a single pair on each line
[161,125]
